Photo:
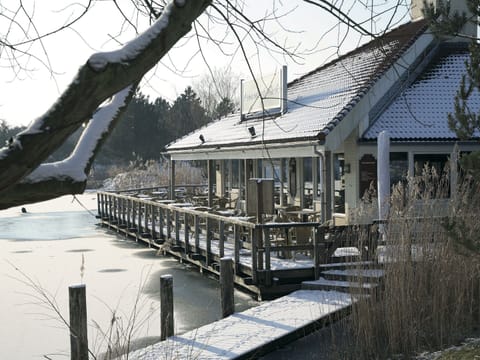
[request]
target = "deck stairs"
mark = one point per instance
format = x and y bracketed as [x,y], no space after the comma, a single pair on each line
[358,277]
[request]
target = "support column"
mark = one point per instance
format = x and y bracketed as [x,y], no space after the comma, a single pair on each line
[314,180]
[248,173]
[211,176]
[282,181]
[230,180]
[328,190]
[171,192]
[300,184]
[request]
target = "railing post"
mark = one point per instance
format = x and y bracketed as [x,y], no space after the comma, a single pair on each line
[78,322]
[139,220]
[134,215]
[161,222]
[260,248]
[196,221]
[166,307]
[187,233]
[226,287]
[114,209]
[266,242]
[318,239]
[169,224]
[221,245]
[154,222]
[129,214]
[109,208]
[253,235]
[209,241]
[99,212]
[236,248]
[145,218]
[177,227]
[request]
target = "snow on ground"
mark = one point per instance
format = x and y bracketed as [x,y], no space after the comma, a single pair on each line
[244,332]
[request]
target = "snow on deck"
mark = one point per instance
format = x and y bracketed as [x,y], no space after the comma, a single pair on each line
[244,333]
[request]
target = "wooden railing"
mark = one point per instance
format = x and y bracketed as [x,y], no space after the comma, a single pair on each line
[194,231]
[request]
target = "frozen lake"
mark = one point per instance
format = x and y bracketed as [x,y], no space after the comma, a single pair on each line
[57,244]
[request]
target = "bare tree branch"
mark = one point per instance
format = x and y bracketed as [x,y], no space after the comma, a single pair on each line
[103,75]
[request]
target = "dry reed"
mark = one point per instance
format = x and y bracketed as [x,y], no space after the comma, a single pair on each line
[430,294]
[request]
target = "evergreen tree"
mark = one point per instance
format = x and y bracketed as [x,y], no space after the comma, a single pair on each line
[187,113]
[141,132]
[224,107]
[465,121]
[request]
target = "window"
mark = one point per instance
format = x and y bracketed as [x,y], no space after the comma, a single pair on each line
[432,184]
[436,161]
[398,167]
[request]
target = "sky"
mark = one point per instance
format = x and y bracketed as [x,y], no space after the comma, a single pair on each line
[29,85]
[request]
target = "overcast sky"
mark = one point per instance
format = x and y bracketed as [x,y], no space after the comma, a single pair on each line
[27,93]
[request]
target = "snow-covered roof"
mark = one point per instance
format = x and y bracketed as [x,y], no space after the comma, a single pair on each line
[420,112]
[317,101]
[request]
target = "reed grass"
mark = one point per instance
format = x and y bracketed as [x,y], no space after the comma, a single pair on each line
[430,294]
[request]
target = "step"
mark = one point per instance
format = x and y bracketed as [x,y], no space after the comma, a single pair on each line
[347,265]
[337,285]
[367,275]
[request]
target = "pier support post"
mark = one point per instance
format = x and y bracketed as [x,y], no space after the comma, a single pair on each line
[166,307]
[226,286]
[78,322]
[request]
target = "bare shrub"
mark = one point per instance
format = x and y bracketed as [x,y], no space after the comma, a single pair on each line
[152,173]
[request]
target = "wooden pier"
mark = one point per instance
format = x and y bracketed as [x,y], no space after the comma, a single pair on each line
[270,259]
[256,331]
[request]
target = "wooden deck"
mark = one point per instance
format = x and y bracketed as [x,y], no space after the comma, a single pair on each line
[270,259]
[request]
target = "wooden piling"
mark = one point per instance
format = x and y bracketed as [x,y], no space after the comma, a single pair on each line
[78,322]
[166,307]
[226,286]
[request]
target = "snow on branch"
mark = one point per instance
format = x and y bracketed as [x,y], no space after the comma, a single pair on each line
[77,164]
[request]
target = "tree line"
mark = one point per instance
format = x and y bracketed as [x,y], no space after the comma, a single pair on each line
[146,127]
